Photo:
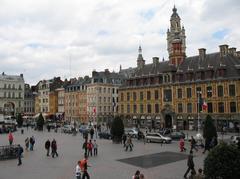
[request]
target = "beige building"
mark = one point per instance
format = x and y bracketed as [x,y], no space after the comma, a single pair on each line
[102,95]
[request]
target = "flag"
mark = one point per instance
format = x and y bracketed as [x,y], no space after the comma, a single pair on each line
[204,106]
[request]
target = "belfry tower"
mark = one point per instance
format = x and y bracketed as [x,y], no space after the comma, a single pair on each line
[176,40]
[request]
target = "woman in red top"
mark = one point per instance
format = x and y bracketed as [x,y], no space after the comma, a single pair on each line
[181,145]
[90,147]
[10,138]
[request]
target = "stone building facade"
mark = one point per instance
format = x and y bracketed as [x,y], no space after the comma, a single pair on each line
[11,94]
[168,93]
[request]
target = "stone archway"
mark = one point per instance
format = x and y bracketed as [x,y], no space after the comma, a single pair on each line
[9,108]
[168,121]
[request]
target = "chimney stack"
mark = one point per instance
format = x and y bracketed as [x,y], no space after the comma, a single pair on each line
[155,61]
[233,51]
[223,50]
[202,53]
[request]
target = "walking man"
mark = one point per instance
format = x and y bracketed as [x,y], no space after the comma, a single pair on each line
[193,144]
[190,164]
[19,154]
[85,147]
[95,148]
[54,148]
[27,143]
[47,146]
[129,143]
[92,132]
[84,165]
[124,138]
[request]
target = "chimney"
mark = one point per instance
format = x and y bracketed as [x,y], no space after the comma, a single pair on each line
[155,61]
[202,53]
[233,51]
[223,50]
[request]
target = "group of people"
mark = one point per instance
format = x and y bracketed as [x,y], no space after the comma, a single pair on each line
[90,148]
[53,146]
[81,168]
[138,175]
[29,143]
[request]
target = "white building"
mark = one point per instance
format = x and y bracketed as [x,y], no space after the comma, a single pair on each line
[11,94]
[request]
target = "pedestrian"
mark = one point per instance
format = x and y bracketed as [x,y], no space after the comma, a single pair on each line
[200,174]
[32,142]
[90,147]
[84,165]
[91,132]
[10,138]
[181,145]
[141,176]
[47,146]
[54,148]
[78,170]
[19,154]
[136,175]
[124,138]
[129,143]
[85,147]
[95,148]
[207,145]
[193,144]
[190,164]
[27,143]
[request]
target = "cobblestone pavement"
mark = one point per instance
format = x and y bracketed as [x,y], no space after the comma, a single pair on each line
[36,165]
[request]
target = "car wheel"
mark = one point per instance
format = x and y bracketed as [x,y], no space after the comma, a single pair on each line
[148,141]
[164,141]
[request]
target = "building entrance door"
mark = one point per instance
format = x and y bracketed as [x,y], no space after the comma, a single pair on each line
[168,121]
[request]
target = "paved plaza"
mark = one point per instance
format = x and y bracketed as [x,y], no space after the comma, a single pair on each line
[154,160]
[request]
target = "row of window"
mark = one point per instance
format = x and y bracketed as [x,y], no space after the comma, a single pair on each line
[209,91]
[103,90]
[220,106]
[12,95]
[9,86]
[180,93]
[180,108]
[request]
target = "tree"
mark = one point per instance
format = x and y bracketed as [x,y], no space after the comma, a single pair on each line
[117,129]
[223,162]
[19,120]
[40,122]
[209,129]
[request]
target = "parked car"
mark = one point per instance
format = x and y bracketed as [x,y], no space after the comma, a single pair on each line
[105,135]
[84,129]
[67,129]
[156,137]
[177,135]
[132,132]
[234,139]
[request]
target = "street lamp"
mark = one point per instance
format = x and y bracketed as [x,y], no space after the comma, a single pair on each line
[198,114]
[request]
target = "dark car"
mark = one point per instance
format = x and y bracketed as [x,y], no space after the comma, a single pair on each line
[104,135]
[165,131]
[177,135]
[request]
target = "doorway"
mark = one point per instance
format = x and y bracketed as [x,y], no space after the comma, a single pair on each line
[168,121]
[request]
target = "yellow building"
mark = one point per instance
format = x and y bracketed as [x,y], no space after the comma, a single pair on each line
[171,93]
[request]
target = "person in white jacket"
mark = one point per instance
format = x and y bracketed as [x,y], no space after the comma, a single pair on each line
[78,170]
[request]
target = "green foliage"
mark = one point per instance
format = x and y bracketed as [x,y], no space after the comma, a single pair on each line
[117,129]
[19,120]
[40,122]
[223,162]
[209,130]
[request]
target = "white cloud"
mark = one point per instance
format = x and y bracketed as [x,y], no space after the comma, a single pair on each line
[38,38]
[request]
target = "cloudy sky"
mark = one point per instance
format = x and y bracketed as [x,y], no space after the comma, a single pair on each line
[70,38]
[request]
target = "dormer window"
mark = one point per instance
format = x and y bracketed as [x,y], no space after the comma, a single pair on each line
[221,72]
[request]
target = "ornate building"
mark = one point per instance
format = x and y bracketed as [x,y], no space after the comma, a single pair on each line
[11,94]
[168,93]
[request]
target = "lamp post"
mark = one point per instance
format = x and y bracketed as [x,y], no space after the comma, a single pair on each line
[198,113]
